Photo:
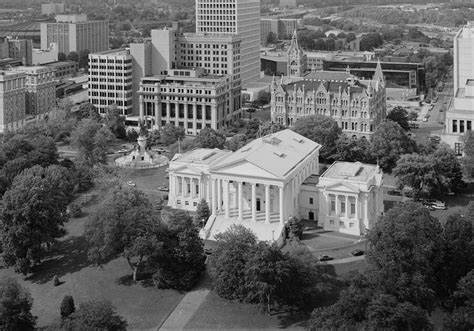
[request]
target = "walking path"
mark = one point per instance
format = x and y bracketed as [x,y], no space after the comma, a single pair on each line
[187,307]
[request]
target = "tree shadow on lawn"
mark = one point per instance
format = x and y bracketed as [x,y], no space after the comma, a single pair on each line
[68,256]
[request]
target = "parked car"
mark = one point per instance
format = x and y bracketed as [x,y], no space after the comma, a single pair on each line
[357,252]
[123,150]
[325,258]
[435,139]
[163,188]
[130,183]
[395,192]
[208,250]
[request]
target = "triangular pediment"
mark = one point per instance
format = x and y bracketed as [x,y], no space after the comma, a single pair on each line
[342,187]
[188,169]
[243,169]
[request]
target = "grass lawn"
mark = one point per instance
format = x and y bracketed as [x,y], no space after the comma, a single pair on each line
[143,306]
[219,314]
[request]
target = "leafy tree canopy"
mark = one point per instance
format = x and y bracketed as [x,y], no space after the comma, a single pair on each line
[15,306]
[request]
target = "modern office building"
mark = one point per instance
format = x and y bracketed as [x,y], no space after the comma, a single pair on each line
[40,86]
[53,8]
[111,81]
[234,17]
[460,111]
[12,100]
[188,98]
[76,33]
[20,49]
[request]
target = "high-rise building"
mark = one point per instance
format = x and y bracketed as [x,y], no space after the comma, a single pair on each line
[76,33]
[282,28]
[40,89]
[111,81]
[12,100]
[231,17]
[460,112]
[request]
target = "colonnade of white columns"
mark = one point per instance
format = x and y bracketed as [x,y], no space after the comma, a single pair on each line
[346,198]
[180,187]
[220,189]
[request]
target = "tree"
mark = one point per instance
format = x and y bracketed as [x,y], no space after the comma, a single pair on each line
[92,140]
[321,129]
[351,37]
[271,38]
[34,210]
[210,138]
[370,41]
[416,171]
[468,159]
[123,225]
[389,143]
[73,56]
[95,315]
[154,138]
[181,260]
[115,122]
[267,271]
[458,253]
[67,306]
[15,306]
[461,317]
[171,134]
[405,250]
[83,58]
[202,212]
[229,259]
[399,115]
[88,110]
[236,142]
[252,128]
[353,150]
[62,56]
[268,127]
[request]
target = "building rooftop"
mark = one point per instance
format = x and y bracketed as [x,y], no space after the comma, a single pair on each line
[328,76]
[120,51]
[278,153]
[312,180]
[350,171]
[201,156]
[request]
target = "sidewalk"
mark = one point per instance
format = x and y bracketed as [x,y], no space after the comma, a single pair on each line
[188,306]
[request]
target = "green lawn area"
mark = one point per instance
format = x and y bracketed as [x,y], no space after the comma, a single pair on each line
[143,306]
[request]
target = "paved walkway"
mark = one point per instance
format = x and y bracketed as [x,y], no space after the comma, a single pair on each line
[346,260]
[188,306]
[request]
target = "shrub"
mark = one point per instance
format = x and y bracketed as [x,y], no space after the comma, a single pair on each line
[67,306]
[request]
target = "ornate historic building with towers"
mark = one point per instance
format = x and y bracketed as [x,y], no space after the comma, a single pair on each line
[357,105]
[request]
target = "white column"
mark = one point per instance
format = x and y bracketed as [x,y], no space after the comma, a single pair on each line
[254,202]
[226,198]
[267,203]
[282,211]
[141,107]
[357,207]
[219,196]
[208,191]
[347,207]
[214,198]
[366,208]
[239,200]
[183,184]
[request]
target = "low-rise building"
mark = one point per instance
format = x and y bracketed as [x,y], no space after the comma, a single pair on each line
[64,69]
[272,179]
[350,197]
[12,100]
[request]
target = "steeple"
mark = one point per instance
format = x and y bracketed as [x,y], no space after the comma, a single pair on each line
[378,76]
[296,58]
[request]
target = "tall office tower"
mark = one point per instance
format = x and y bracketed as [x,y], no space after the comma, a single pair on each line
[12,100]
[20,49]
[460,113]
[75,33]
[232,17]
[110,80]
[40,89]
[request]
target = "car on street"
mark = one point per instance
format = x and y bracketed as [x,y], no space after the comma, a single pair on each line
[163,188]
[357,252]
[131,183]
[208,250]
[123,150]
[435,139]
[325,258]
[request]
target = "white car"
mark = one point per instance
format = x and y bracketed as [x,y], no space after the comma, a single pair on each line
[130,183]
